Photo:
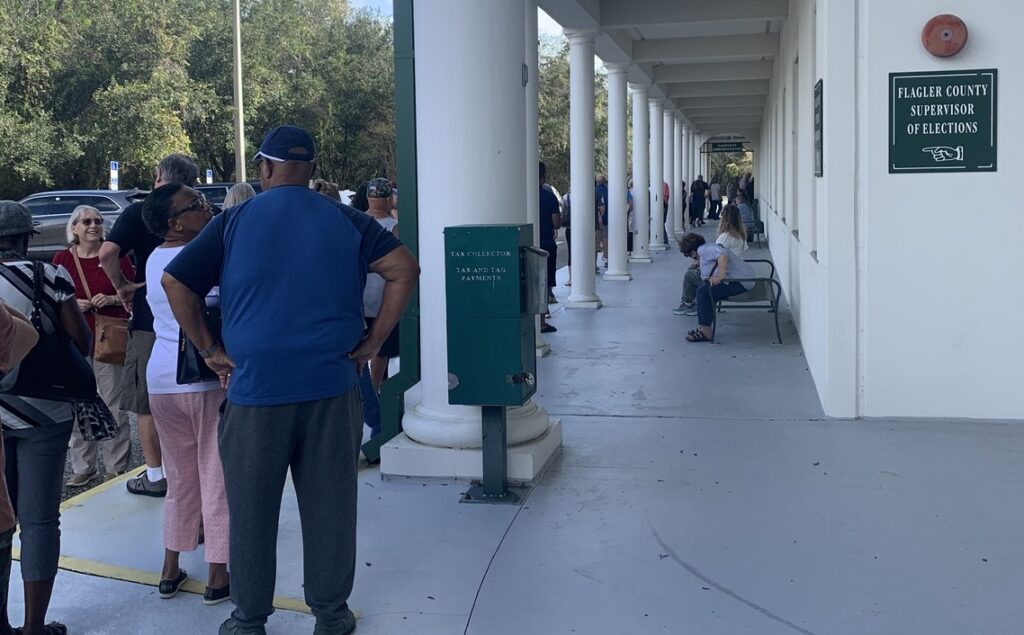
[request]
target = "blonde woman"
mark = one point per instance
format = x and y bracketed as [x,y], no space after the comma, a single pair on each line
[732,234]
[96,295]
[239,193]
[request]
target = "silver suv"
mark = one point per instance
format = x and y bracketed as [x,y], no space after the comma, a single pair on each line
[51,211]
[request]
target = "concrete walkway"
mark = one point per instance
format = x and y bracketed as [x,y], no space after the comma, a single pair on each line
[700,491]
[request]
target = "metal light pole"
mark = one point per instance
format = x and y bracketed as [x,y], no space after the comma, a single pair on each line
[239,116]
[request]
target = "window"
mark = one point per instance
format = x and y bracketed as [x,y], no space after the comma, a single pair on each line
[794,106]
[65,204]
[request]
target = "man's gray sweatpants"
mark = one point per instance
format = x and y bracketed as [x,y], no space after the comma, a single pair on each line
[319,441]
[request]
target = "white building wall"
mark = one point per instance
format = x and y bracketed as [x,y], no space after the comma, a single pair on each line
[941,253]
[903,286]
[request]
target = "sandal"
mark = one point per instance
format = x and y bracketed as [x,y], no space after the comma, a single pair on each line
[697,336]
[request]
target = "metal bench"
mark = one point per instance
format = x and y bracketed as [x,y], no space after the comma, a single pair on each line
[765,294]
[755,232]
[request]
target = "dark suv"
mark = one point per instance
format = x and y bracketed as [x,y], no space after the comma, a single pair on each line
[51,211]
[216,192]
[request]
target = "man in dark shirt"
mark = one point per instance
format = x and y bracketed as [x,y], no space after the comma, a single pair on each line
[698,200]
[550,221]
[293,343]
[130,234]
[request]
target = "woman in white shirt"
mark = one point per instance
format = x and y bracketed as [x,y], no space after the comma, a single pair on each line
[186,415]
[731,232]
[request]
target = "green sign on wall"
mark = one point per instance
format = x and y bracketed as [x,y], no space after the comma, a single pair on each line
[726,146]
[942,121]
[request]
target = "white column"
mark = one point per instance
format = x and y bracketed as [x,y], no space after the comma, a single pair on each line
[657,158]
[678,193]
[532,143]
[641,175]
[668,161]
[464,130]
[618,269]
[687,172]
[581,168]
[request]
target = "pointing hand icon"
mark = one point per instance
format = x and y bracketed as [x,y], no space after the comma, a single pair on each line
[945,153]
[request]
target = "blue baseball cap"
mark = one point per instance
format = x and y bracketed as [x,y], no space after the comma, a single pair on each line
[287,143]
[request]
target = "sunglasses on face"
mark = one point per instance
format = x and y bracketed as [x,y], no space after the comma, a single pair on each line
[89,221]
[198,203]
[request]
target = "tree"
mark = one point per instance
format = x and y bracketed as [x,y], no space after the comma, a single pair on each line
[724,166]
[91,81]
[553,98]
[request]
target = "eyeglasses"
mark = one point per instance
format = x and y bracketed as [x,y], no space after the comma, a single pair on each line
[198,203]
[89,221]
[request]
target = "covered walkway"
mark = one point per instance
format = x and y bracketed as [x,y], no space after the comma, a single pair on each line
[700,490]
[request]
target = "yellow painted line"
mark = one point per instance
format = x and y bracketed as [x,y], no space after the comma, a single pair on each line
[139,576]
[150,578]
[76,501]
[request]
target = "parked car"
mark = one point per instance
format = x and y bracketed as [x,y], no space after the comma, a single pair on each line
[215,192]
[51,211]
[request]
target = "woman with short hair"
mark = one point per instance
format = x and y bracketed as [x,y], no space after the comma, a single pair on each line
[96,296]
[186,416]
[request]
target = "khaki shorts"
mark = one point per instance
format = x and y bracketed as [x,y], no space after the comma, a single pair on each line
[134,390]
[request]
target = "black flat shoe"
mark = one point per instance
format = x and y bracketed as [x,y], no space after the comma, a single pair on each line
[213,597]
[169,588]
[547,328]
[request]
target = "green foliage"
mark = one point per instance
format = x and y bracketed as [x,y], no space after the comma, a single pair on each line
[553,98]
[724,166]
[89,81]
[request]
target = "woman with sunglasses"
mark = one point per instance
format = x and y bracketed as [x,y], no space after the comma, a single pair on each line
[186,416]
[96,295]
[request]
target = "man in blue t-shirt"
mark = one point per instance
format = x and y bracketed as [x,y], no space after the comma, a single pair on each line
[291,265]
[601,214]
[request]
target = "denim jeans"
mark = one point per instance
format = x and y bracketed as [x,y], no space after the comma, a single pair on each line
[707,295]
[371,402]
[35,479]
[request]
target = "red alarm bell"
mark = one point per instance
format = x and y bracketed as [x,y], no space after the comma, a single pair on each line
[945,35]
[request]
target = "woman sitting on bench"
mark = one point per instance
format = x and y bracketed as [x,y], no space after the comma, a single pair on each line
[732,234]
[719,268]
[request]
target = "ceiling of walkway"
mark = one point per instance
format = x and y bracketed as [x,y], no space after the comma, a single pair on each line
[712,59]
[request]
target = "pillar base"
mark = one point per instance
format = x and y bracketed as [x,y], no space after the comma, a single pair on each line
[618,276]
[584,304]
[404,457]
[641,259]
[658,247]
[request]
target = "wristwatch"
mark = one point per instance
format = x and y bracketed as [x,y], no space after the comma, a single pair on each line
[208,352]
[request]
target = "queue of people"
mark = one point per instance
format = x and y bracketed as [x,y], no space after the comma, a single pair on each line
[217,447]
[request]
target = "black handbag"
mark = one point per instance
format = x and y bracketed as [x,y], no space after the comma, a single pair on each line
[54,369]
[192,368]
